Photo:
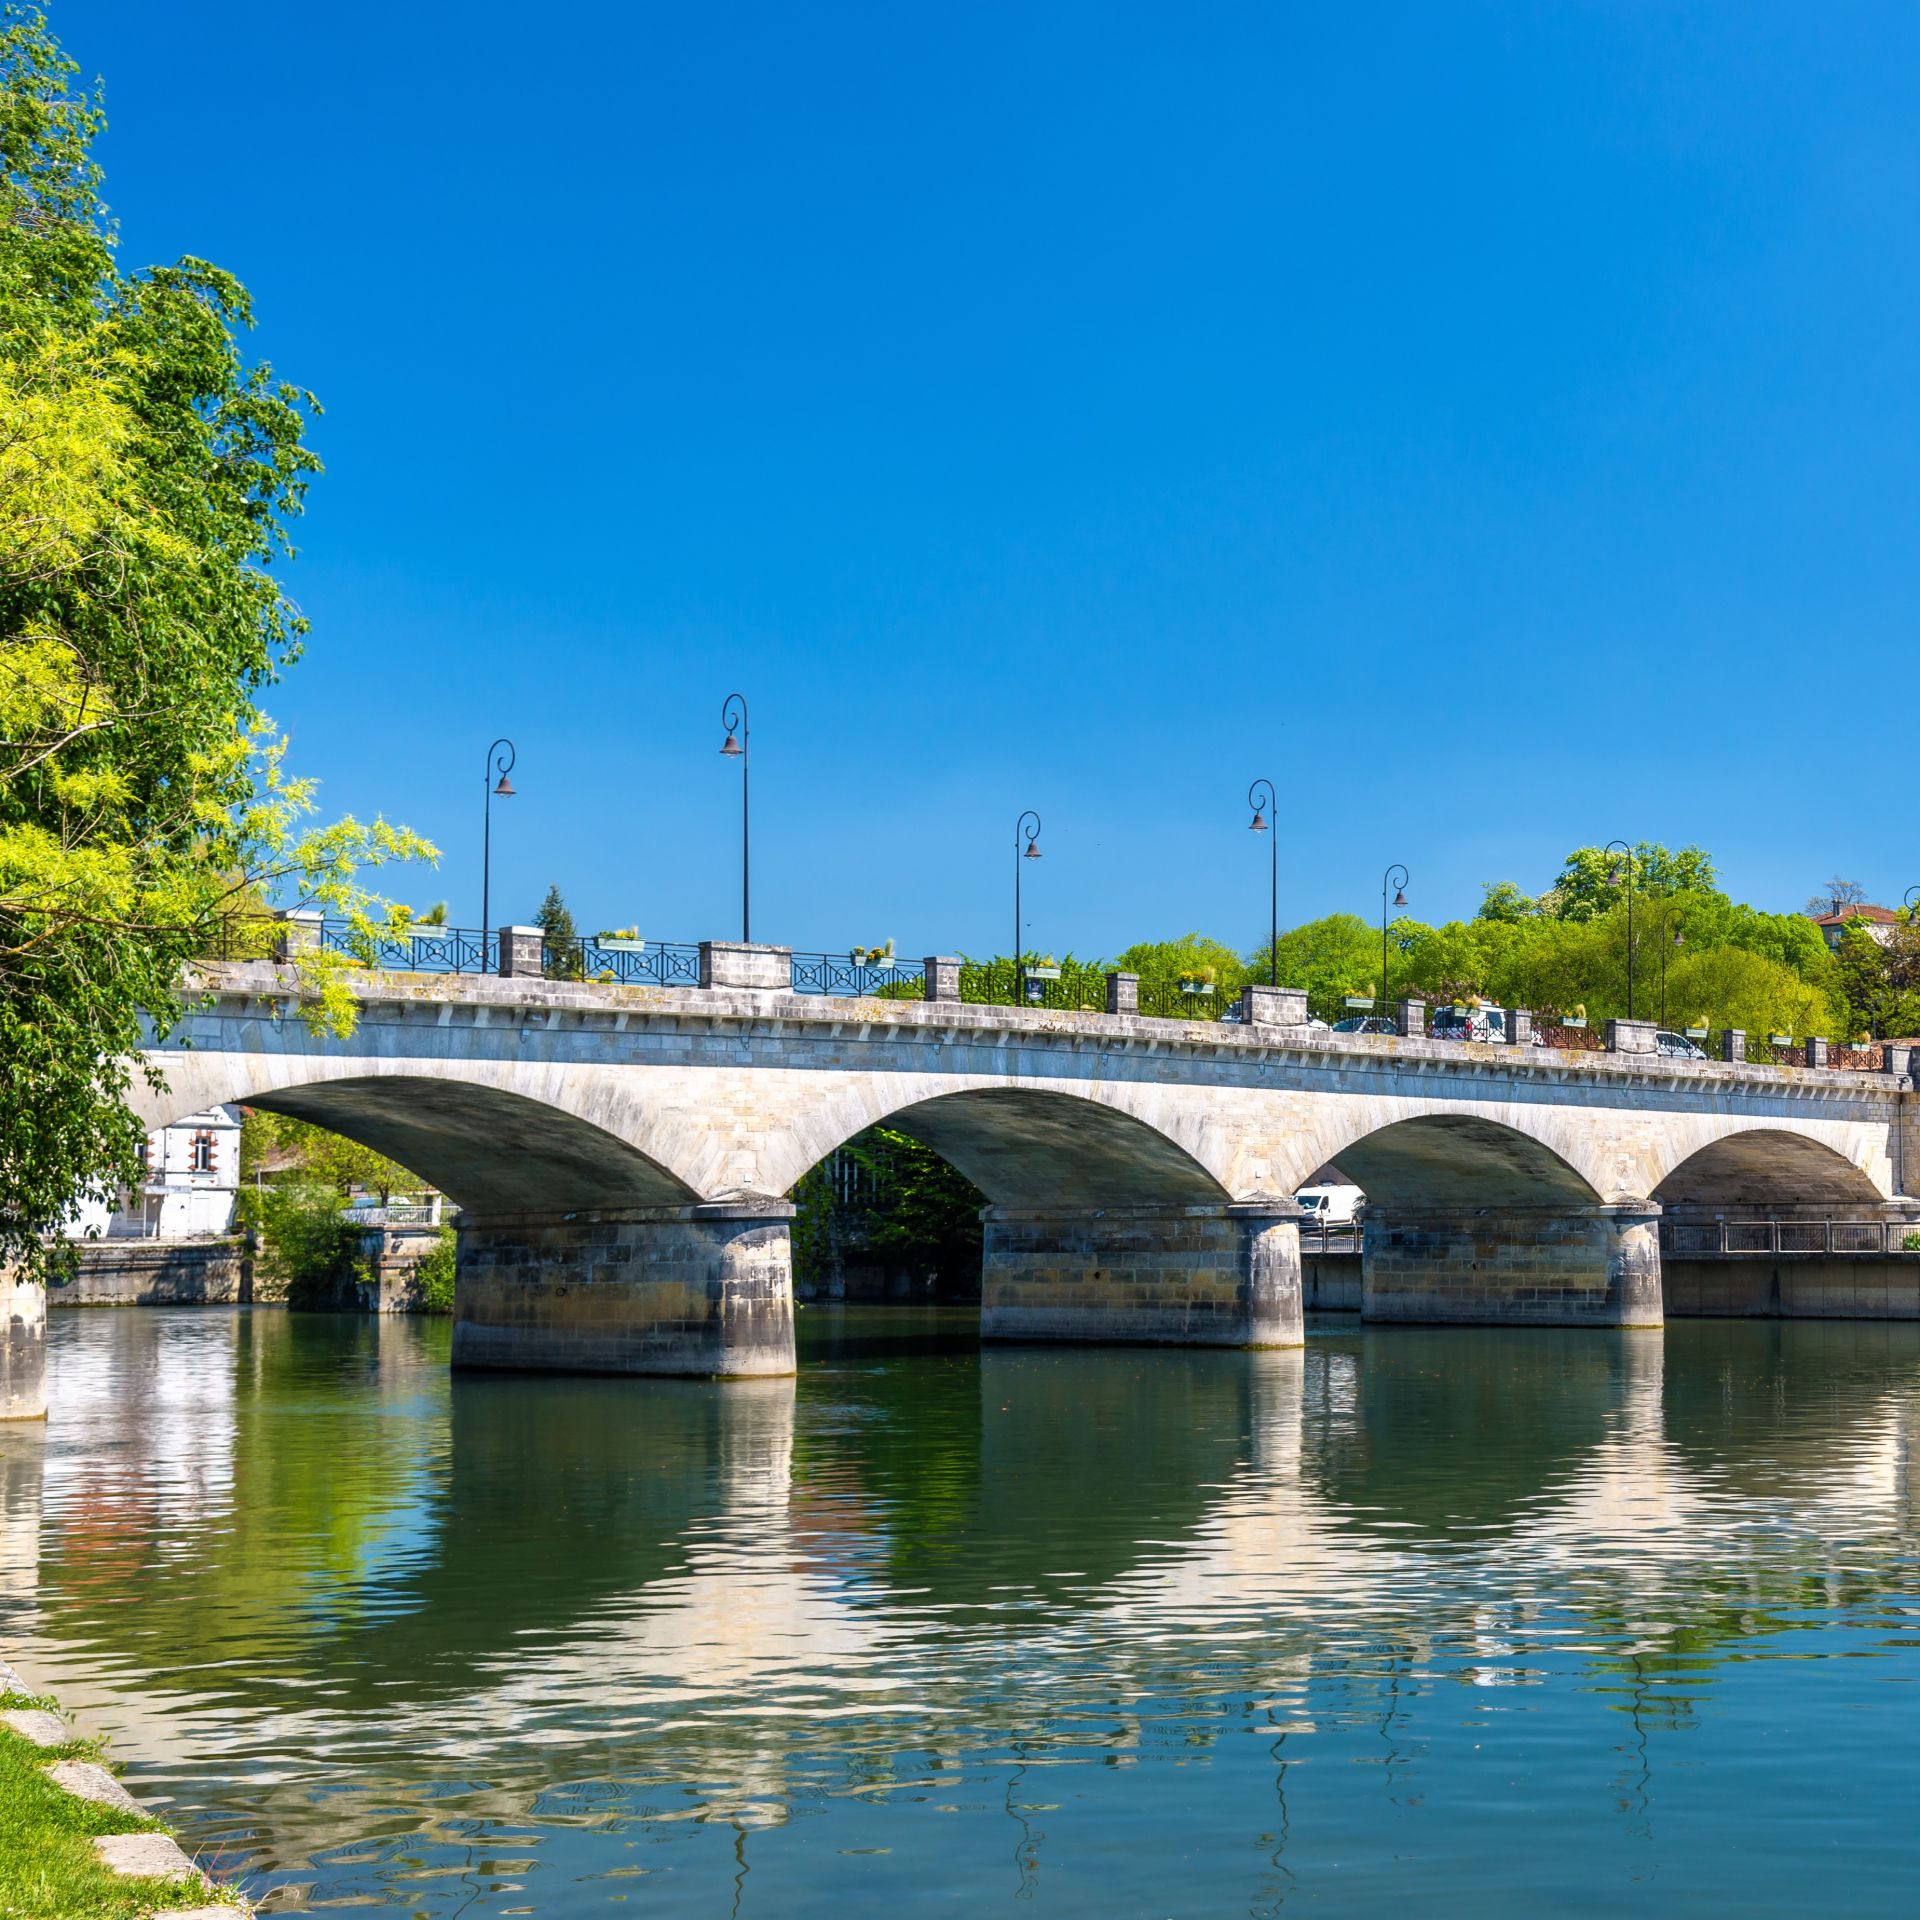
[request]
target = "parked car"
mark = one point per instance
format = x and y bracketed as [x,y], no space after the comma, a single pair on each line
[1676,1046]
[1469,1023]
[1366,1023]
[1329,1206]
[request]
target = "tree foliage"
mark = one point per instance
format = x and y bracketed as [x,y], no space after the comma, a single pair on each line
[317,1151]
[911,1206]
[149,475]
[564,957]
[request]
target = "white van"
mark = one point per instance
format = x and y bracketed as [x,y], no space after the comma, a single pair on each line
[1329,1206]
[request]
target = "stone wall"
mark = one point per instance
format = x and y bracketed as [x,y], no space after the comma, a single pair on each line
[158,1273]
[1330,1282]
[1194,1276]
[1769,1288]
[1594,1267]
[704,1290]
[385,1278]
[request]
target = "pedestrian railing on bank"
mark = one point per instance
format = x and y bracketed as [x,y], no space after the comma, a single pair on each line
[1327,1237]
[1734,1238]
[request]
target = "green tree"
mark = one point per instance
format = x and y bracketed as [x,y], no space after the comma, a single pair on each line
[1736,987]
[565,959]
[1592,878]
[1503,901]
[914,1207]
[1160,963]
[305,1247]
[1334,956]
[316,1150]
[148,478]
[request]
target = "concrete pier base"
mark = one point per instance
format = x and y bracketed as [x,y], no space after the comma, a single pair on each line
[703,1290]
[1225,1276]
[1582,1267]
[1781,1287]
[23,1349]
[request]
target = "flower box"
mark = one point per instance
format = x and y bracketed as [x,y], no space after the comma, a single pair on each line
[1041,973]
[621,946]
[1573,1020]
[1779,1039]
[1695,1033]
[1196,986]
[1359,1002]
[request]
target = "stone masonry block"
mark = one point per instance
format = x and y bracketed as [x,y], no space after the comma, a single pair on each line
[734,964]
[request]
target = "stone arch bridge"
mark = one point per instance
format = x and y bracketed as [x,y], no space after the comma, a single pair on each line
[621,1155]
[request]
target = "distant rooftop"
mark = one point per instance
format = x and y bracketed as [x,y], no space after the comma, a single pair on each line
[1879,916]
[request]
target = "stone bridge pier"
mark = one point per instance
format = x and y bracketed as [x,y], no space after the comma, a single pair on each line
[1596,1266]
[1221,1276]
[704,1290]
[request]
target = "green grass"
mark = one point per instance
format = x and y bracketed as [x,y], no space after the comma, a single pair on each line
[48,1869]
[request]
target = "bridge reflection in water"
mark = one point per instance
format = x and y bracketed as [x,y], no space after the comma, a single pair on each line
[1465,1621]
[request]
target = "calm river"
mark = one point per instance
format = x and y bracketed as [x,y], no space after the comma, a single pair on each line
[1439,1623]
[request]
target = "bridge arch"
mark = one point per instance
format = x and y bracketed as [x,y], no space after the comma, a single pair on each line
[1436,1155]
[1767,1169]
[1022,1146]
[491,1137]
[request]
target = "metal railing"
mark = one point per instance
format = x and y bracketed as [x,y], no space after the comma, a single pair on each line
[1071,987]
[1325,1237]
[836,973]
[417,950]
[1737,1238]
[622,963]
[408,1213]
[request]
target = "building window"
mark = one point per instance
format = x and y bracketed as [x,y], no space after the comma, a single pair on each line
[146,1156]
[202,1161]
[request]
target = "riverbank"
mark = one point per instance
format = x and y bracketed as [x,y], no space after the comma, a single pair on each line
[69,1831]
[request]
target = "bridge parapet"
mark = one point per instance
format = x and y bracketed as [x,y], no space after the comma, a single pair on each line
[261,987]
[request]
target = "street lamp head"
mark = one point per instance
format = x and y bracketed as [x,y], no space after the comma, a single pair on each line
[503,788]
[731,747]
[1032,852]
[1400,896]
[1679,937]
[1259,821]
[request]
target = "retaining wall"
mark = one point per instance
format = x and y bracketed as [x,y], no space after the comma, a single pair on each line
[159,1273]
[1769,1288]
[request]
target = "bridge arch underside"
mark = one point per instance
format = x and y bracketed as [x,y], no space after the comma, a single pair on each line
[1026,1147]
[1470,1221]
[489,1150]
[1767,1172]
[1102,1227]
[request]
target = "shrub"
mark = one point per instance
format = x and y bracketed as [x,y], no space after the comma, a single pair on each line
[434,1275]
[306,1250]
[1911,1244]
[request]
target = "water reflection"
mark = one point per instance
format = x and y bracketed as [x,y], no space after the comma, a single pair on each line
[1093,1631]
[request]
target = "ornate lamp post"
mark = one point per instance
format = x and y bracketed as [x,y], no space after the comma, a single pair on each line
[1912,894]
[1626,854]
[1259,825]
[1679,940]
[1025,847]
[733,716]
[502,765]
[1399,887]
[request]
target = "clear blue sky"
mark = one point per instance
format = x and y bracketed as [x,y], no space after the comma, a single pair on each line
[1499,424]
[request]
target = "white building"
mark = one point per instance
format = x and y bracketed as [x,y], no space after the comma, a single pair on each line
[192,1177]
